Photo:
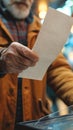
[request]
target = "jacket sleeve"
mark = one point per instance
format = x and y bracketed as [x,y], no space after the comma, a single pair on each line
[60,78]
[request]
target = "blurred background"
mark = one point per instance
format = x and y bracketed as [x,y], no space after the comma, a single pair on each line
[40,8]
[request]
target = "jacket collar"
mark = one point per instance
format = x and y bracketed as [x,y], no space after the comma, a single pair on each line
[6,30]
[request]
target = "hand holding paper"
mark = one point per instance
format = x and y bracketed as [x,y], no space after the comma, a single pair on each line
[49,43]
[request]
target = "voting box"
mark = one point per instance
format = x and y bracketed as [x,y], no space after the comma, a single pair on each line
[50,122]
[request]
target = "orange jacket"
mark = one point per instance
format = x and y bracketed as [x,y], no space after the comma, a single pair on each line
[33,91]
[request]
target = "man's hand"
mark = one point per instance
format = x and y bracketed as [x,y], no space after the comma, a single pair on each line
[18,58]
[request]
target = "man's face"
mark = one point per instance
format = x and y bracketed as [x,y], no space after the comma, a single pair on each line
[18,8]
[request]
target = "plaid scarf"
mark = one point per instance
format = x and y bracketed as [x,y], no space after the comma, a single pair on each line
[18,29]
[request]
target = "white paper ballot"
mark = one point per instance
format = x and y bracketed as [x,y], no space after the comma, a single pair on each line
[50,41]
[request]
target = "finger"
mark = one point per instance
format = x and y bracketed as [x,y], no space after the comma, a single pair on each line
[22,61]
[18,60]
[15,69]
[26,52]
[42,107]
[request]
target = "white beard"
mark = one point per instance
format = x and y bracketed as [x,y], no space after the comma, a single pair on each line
[17,13]
[20,11]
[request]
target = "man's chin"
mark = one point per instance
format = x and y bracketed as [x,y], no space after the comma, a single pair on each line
[20,15]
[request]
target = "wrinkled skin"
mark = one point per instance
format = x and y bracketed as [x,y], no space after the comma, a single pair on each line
[18,57]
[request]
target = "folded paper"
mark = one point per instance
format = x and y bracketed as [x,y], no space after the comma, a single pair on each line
[50,41]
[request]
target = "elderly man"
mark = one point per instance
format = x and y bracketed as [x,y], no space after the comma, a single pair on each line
[25,99]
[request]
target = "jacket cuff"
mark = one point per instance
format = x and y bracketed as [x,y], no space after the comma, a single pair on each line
[2,64]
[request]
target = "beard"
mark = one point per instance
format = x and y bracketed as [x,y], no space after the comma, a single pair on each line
[19,9]
[18,13]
